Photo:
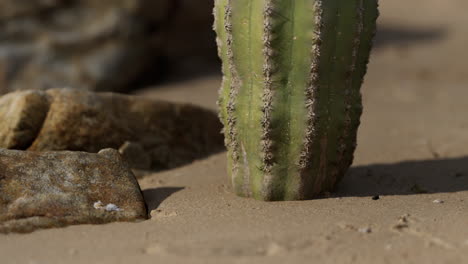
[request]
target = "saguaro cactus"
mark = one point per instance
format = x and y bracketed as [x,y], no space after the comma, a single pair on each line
[290,100]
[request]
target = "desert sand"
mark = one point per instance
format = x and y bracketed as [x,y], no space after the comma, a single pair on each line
[413,153]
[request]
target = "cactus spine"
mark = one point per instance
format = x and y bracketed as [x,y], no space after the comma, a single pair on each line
[290,100]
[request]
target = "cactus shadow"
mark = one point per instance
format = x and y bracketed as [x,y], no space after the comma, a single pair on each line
[155,196]
[406,178]
[402,36]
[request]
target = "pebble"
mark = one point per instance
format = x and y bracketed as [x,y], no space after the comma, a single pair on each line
[365,230]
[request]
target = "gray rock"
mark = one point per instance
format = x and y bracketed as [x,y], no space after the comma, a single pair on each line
[56,189]
[149,133]
[100,45]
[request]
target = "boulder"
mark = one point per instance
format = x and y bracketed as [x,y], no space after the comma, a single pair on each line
[151,134]
[56,189]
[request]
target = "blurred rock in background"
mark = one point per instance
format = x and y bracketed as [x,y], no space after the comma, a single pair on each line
[106,45]
[150,134]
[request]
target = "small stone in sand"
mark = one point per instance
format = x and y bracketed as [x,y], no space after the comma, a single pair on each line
[438,201]
[365,230]
[375,198]
[403,222]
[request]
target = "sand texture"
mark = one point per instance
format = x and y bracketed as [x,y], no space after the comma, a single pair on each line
[412,151]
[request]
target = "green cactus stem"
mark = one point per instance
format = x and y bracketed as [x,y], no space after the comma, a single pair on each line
[290,99]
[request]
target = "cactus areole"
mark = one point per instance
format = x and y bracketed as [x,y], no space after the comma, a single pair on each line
[290,99]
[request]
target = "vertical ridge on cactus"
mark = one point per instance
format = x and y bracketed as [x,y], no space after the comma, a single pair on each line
[220,13]
[290,99]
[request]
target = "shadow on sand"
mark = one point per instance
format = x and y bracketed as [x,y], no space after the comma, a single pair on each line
[409,177]
[392,35]
[155,196]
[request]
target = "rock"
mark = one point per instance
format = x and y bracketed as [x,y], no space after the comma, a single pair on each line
[56,189]
[150,134]
[101,45]
[21,118]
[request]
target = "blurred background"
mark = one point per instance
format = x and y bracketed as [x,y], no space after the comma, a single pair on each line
[106,45]
[415,91]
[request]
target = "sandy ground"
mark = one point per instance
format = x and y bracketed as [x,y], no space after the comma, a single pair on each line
[413,150]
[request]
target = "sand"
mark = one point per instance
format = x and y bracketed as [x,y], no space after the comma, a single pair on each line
[413,152]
